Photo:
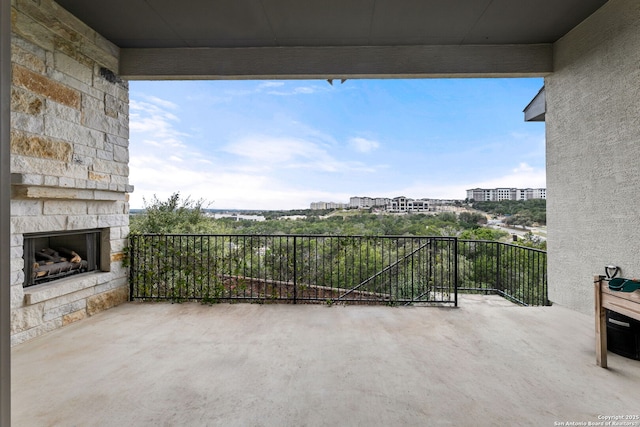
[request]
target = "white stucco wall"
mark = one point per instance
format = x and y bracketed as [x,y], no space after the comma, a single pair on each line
[593,153]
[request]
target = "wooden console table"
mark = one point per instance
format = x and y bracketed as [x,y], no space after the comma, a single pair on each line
[625,303]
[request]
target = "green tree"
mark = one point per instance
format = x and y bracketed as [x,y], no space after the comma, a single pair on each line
[471,219]
[484,234]
[173,216]
[522,218]
[527,211]
[530,240]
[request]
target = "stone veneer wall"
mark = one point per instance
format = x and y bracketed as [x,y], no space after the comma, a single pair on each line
[69,165]
[593,148]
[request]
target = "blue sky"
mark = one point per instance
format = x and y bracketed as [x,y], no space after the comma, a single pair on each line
[284,144]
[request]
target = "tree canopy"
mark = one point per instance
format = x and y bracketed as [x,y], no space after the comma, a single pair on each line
[178,215]
[172,216]
[519,212]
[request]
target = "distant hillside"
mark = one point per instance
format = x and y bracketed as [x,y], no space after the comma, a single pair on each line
[183,215]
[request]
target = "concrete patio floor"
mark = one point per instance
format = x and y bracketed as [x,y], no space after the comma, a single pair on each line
[486,363]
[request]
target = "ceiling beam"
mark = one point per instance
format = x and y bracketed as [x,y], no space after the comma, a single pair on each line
[537,108]
[334,62]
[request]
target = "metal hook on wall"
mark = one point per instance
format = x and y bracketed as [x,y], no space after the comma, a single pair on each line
[611,271]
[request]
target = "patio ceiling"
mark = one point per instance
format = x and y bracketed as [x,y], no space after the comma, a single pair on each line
[356,38]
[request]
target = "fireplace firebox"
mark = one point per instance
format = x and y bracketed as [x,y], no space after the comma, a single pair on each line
[55,255]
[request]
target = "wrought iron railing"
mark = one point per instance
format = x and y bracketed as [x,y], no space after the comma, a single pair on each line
[331,269]
[515,272]
[262,268]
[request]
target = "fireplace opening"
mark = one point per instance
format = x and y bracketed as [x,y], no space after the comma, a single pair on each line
[55,255]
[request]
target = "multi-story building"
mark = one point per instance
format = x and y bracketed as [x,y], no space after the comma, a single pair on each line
[357,202]
[480,194]
[505,193]
[405,204]
[397,204]
[328,205]
[498,194]
[421,205]
[539,193]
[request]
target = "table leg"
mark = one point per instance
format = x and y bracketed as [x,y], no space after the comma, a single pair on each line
[601,324]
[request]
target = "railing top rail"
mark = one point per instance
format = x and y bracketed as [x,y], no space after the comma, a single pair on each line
[503,244]
[444,238]
[344,236]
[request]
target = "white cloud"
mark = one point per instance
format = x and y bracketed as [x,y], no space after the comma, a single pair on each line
[305,90]
[521,176]
[276,88]
[363,145]
[204,161]
[267,152]
[157,125]
[430,190]
[224,188]
[265,149]
[155,101]
[249,173]
[300,90]
[270,84]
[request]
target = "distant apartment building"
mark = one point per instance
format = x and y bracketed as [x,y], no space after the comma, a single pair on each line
[539,193]
[328,205]
[238,217]
[405,204]
[498,194]
[368,202]
[400,204]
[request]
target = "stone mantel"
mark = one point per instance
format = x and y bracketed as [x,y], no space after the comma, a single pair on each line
[34,186]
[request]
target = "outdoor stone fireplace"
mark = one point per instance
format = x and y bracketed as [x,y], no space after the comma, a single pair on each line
[53,256]
[69,171]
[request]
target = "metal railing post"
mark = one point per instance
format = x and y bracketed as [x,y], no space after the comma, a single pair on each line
[455,280]
[498,263]
[130,254]
[295,269]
